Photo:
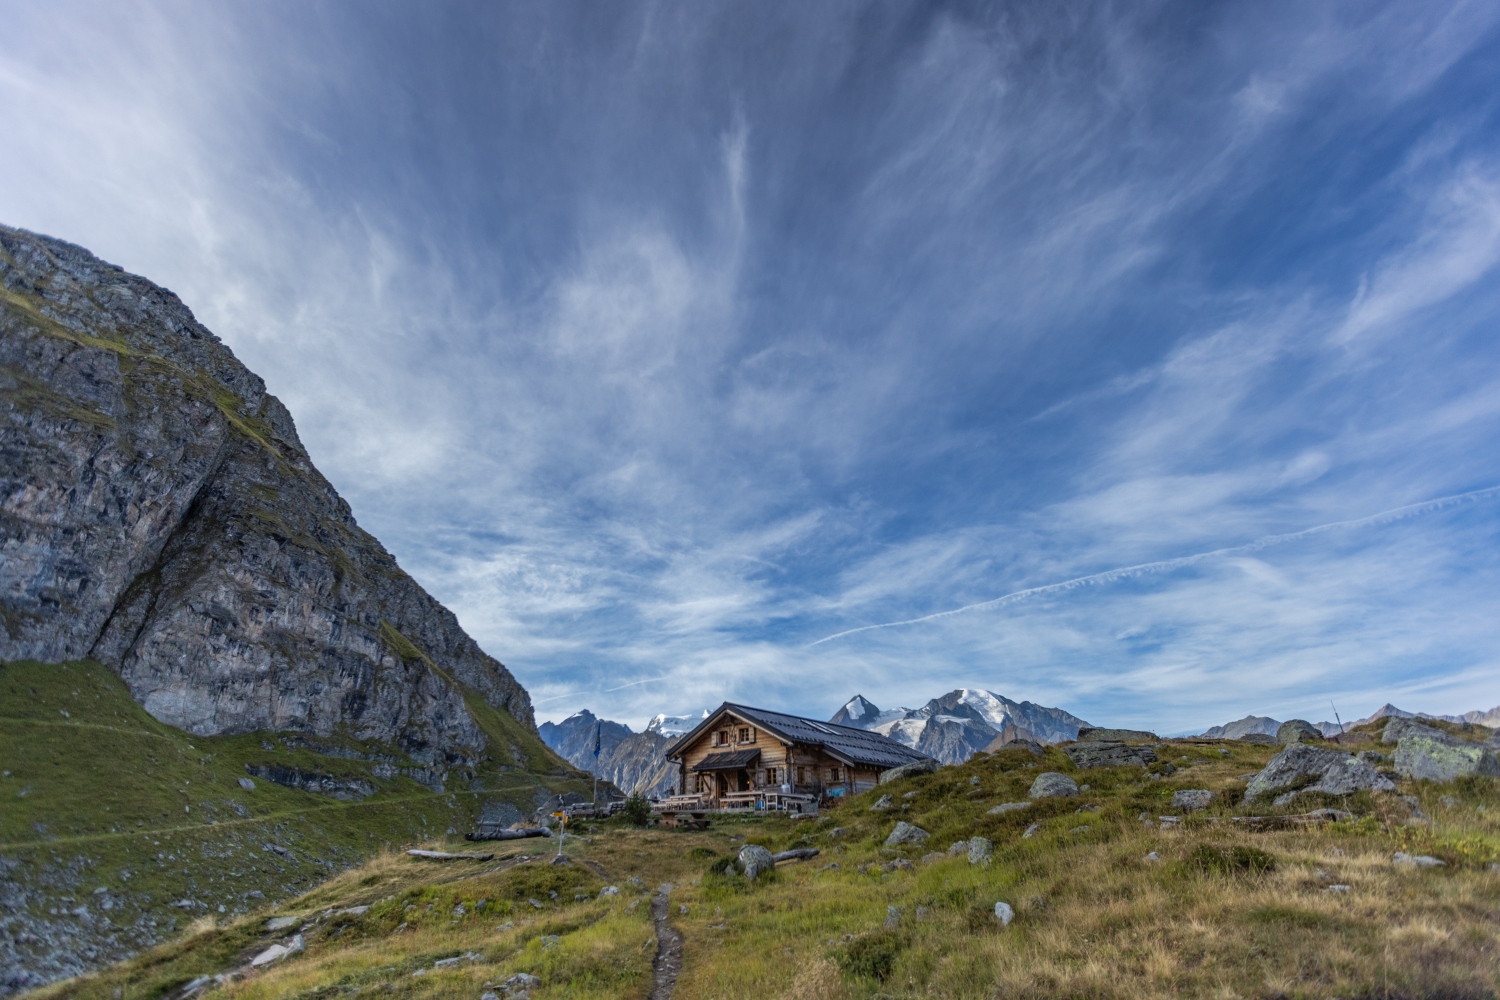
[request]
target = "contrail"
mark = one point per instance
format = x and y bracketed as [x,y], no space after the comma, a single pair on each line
[1166,565]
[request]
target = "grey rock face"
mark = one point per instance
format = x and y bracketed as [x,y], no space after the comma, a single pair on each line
[1372,757]
[1006,807]
[632,762]
[907,770]
[159,514]
[905,833]
[1095,733]
[1108,753]
[1398,728]
[1338,773]
[1296,731]
[884,802]
[1050,785]
[1426,758]
[1192,799]
[755,860]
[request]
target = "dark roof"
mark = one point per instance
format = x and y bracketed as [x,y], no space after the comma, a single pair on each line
[850,745]
[727,761]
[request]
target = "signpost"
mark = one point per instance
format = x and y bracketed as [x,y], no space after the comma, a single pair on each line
[562,829]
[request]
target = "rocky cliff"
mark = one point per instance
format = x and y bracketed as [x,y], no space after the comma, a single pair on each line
[159,514]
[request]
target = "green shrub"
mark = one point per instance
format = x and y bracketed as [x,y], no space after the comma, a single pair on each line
[1238,860]
[702,853]
[872,956]
[637,809]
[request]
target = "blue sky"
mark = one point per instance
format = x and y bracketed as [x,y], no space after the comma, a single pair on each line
[663,341]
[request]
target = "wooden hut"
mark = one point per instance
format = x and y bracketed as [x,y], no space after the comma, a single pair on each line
[743,757]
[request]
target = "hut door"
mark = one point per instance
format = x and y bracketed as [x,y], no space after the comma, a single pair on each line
[723,785]
[744,781]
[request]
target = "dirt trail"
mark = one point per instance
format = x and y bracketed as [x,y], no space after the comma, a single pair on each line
[668,947]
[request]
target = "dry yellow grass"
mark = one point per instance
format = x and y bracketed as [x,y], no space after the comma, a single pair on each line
[1094,917]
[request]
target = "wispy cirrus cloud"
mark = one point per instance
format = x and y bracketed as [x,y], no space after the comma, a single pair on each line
[660,347]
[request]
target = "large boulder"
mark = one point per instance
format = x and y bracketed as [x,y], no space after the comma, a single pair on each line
[1398,728]
[980,849]
[1443,758]
[1191,799]
[905,833]
[1297,731]
[1108,753]
[1051,785]
[756,861]
[925,766]
[1336,773]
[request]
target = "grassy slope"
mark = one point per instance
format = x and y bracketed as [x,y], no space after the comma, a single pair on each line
[97,794]
[1095,918]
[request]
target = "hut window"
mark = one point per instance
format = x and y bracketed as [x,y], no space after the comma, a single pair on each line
[833,774]
[721,738]
[801,775]
[745,735]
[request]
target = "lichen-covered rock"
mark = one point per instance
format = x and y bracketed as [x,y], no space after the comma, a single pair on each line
[1006,807]
[1192,799]
[1296,731]
[925,766]
[884,802]
[158,513]
[756,861]
[905,833]
[1395,729]
[1050,784]
[1108,753]
[1425,758]
[1096,733]
[1336,772]
[980,850]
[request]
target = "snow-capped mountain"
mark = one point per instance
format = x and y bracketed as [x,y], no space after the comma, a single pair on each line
[952,728]
[1265,724]
[674,725]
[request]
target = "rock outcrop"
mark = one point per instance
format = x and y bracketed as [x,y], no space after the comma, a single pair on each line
[158,513]
[1108,753]
[1304,768]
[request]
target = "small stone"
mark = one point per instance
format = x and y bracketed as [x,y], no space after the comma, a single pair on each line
[909,795]
[1167,821]
[1083,788]
[247,784]
[1153,856]
[884,802]
[905,833]
[1340,887]
[1418,860]
[489,995]
[837,831]
[536,904]
[1004,914]
[892,917]
[1050,784]
[268,956]
[549,940]
[974,780]
[1031,831]
[980,850]
[280,923]
[928,859]
[682,908]
[1006,807]
[1448,801]
[579,897]
[609,890]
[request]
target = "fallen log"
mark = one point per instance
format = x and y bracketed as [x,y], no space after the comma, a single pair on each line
[444,856]
[800,854]
[509,834]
